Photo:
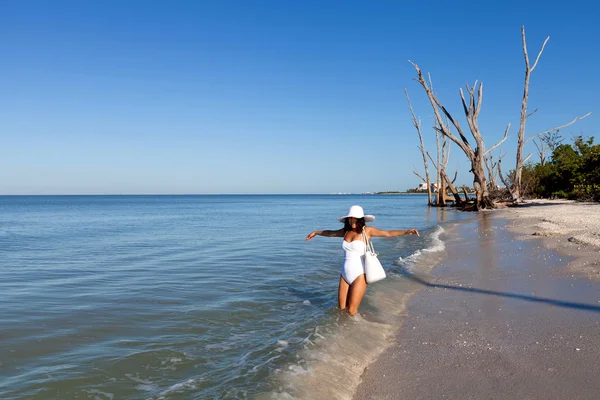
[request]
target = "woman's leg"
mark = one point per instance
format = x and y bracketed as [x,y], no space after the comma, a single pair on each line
[356,293]
[343,294]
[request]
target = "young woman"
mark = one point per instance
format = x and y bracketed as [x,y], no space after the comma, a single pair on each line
[352,280]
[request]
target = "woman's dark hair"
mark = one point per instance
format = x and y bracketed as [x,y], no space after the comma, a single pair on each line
[360,224]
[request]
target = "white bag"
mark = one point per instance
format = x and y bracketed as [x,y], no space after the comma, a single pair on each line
[373,270]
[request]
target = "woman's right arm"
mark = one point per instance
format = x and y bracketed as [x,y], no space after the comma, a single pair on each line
[338,233]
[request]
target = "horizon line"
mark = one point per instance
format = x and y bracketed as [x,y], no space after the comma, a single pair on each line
[202,194]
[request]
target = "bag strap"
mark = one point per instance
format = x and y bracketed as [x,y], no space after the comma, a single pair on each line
[368,243]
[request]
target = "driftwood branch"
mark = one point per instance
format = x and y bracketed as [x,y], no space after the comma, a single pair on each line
[447,156]
[417,174]
[464,188]
[453,190]
[541,50]
[559,127]
[417,124]
[500,142]
[441,196]
[436,105]
[502,178]
[540,147]
[432,161]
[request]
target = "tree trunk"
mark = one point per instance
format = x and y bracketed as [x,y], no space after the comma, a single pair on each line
[482,195]
[441,191]
[464,188]
[516,191]
[428,183]
[457,200]
[429,194]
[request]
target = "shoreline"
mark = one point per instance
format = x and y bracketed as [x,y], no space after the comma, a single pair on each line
[513,311]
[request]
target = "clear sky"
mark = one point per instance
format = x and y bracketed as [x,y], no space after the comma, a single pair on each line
[101,97]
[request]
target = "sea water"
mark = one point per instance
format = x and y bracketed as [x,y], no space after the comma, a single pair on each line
[196,297]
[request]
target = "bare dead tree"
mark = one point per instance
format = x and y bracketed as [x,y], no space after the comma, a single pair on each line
[475,156]
[441,168]
[438,183]
[542,148]
[417,124]
[448,182]
[516,191]
[506,184]
[440,199]
[547,143]
[553,140]
[444,179]
[418,174]
[490,165]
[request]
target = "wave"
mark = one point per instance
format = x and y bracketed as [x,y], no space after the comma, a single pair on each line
[436,245]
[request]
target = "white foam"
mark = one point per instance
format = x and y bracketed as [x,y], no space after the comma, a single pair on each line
[256,367]
[282,345]
[331,365]
[145,388]
[437,245]
[109,396]
[178,388]
[411,259]
[146,385]
[298,369]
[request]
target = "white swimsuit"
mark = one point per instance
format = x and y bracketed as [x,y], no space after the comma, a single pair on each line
[354,261]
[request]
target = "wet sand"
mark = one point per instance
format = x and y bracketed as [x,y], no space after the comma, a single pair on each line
[499,318]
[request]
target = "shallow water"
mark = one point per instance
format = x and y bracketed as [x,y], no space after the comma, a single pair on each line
[167,297]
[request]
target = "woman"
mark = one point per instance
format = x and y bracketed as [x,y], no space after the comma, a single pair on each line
[352,280]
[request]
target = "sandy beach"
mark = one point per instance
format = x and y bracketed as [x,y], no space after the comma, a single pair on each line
[571,228]
[513,312]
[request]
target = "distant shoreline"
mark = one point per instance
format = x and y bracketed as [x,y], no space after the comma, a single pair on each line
[204,194]
[388,193]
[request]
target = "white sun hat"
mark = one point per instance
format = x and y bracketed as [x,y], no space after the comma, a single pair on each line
[357,212]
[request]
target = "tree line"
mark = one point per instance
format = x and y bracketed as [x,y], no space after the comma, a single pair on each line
[572,171]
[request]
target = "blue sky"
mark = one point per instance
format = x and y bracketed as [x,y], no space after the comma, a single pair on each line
[101,97]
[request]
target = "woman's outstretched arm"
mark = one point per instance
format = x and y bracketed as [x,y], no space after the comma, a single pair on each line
[338,233]
[372,231]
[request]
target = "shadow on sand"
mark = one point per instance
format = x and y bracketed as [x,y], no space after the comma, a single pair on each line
[558,303]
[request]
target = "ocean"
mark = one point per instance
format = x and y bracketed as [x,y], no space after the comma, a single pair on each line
[197,297]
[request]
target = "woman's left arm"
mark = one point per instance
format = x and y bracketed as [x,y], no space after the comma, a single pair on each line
[372,231]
